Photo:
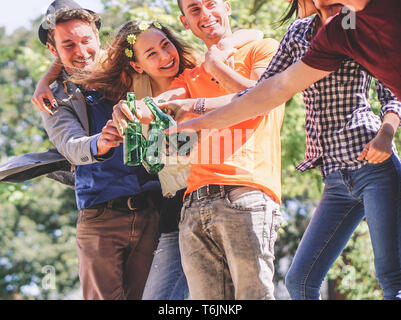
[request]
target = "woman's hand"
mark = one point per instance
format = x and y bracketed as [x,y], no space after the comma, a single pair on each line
[122,114]
[378,149]
[181,110]
[43,98]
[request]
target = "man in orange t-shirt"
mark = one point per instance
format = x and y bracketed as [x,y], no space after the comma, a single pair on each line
[230,215]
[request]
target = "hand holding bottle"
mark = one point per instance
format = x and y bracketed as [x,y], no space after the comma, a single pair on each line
[122,114]
[109,138]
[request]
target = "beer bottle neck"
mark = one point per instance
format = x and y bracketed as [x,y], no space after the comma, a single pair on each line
[157,113]
[131,102]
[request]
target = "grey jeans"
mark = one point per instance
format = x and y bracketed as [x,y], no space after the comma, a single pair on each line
[227,244]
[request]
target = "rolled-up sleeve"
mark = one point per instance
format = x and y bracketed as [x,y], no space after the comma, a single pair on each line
[388,101]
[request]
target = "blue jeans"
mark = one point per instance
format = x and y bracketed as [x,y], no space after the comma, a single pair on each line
[372,191]
[166,280]
[227,244]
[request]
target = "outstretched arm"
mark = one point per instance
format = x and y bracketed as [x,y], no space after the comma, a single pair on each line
[265,96]
[186,109]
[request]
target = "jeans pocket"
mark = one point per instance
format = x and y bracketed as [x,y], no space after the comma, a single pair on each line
[91,215]
[387,162]
[246,199]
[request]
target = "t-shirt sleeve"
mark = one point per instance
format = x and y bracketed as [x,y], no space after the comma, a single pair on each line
[263,53]
[280,61]
[328,48]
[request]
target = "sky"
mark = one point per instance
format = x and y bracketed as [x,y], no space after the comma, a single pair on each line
[20,13]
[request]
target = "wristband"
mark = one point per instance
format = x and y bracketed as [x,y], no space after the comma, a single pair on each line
[199,106]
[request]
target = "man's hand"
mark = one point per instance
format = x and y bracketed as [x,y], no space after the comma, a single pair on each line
[216,55]
[109,138]
[182,110]
[43,98]
[226,45]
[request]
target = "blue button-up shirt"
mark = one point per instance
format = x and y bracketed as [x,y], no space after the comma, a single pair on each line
[110,178]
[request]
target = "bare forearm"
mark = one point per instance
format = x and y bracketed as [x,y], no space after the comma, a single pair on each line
[229,79]
[52,73]
[251,104]
[265,96]
[218,102]
[390,124]
[172,94]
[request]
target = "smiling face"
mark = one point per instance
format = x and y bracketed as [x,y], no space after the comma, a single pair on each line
[76,45]
[207,19]
[155,55]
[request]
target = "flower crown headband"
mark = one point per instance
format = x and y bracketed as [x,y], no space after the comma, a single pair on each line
[131,38]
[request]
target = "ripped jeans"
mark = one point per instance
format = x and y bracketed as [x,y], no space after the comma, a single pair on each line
[227,244]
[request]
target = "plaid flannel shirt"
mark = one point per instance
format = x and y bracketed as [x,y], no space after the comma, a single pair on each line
[339,120]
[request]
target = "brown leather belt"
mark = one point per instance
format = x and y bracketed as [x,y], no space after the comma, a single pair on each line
[132,203]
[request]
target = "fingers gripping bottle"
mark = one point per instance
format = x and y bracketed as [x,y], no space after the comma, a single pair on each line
[152,160]
[133,140]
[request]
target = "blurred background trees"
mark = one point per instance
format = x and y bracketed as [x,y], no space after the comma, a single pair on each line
[37,218]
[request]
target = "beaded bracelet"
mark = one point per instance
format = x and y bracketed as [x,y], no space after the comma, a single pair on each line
[199,106]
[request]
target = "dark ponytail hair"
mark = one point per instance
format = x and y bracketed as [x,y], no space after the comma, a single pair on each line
[290,11]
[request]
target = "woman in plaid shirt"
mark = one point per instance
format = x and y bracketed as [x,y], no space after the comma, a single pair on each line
[355,152]
[353,149]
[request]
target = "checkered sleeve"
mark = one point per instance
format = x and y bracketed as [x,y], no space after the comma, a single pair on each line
[281,61]
[389,102]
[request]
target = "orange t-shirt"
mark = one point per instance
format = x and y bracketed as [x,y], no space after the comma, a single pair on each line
[248,153]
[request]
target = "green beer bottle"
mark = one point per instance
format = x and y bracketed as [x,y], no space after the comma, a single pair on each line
[152,160]
[163,119]
[133,140]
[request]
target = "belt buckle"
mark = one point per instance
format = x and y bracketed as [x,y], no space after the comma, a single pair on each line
[198,197]
[129,204]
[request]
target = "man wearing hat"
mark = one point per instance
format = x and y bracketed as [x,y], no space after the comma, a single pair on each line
[117,229]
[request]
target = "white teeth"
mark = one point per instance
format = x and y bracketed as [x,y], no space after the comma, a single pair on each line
[168,65]
[210,24]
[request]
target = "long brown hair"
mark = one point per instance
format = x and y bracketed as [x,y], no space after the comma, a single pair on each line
[114,76]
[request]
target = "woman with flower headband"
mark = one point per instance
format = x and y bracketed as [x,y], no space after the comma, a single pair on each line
[145,57]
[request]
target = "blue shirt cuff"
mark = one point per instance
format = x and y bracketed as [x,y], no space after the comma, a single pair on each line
[94,145]
[94,151]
